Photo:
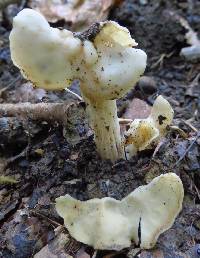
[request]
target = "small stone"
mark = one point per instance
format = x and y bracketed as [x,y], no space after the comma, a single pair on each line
[147,85]
[10,12]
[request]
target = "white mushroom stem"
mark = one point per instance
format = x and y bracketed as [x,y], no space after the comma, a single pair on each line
[104,121]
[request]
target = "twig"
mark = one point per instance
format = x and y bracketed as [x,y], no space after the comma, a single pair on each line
[125,121]
[162,141]
[74,94]
[160,60]
[52,222]
[186,151]
[194,83]
[10,84]
[190,125]
[179,130]
[41,111]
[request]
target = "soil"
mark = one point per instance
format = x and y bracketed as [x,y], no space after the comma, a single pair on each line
[48,161]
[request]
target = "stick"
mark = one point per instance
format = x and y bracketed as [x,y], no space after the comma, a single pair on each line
[186,151]
[41,111]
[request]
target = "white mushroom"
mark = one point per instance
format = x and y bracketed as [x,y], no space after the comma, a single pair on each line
[140,217]
[144,133]
[102,58]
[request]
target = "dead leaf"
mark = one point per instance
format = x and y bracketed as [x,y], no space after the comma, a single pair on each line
[82,254]
[79,13]
[137,109]
[55,248]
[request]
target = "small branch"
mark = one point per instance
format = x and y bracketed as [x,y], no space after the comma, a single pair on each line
[41,111]
[13,82]
[74,94]
[160,60]
[125,121]
[178,130]
[42,216]
[186,122]
[186,151]
[161,142]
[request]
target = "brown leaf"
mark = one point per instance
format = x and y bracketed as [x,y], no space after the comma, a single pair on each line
[82,254]
[79,13]
[137,109]
[55,248]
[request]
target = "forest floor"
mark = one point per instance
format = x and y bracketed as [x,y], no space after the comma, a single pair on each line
[46,161]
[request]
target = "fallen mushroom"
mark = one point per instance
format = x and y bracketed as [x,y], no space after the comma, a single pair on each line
[102,58]
[143,133]
[140,217]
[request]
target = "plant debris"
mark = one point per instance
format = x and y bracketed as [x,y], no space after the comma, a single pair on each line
[80,14]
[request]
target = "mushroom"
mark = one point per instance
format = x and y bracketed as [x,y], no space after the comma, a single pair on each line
[112,224]
[144,133]
[103,58]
